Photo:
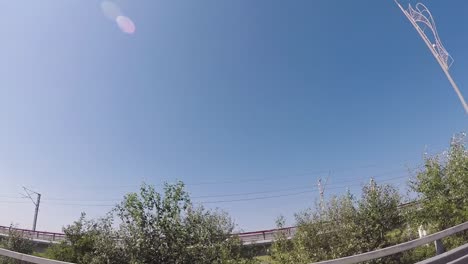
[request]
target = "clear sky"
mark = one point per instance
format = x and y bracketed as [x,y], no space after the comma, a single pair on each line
[232,97]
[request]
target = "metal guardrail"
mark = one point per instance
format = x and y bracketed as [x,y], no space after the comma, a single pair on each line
[29,258]
[458,255]
[400,247]
[265,235]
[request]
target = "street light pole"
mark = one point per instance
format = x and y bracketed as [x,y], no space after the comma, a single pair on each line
[421,16]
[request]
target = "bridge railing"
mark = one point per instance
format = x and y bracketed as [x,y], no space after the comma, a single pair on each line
[380,253]
[247,237]
[35,235]
[265,235]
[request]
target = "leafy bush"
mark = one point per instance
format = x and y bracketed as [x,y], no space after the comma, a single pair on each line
[343,227]
[153,228]
[442,188]
[346,226]
[15,242]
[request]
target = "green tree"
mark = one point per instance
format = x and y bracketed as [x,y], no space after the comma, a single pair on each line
[441,187]
[378,216]
[168,229]
[152,227]
[17,242]
[89,241]
[283,249]
[327,232]
[344,226]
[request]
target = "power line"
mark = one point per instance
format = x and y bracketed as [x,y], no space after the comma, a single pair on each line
[193,197]
[13,202]
[227,201]
[379,180]
[315,173]
[237,180]
[291,194]
[52,201]
[256,198]
[84,205]
[272,196]
[12,197]
[289,189]
[251,193]
[221,195]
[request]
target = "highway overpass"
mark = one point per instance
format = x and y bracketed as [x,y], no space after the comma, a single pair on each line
[262,237]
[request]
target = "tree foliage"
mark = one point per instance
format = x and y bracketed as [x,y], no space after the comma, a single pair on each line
[17,242]
[378,216]
[89,241]
[442,187]
[442,191]
[344,226]
[168,229]
[347,226]
[153,228]
[283,249]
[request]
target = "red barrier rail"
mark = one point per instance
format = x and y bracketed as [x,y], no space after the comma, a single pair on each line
[38,235]
[265,236]
[266,231]
[246,237]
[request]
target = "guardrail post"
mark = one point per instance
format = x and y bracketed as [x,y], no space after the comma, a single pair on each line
[439,247]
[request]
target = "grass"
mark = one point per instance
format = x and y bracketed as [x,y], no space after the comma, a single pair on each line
[266,260]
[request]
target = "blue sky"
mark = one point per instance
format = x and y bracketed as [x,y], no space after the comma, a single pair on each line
[229,96]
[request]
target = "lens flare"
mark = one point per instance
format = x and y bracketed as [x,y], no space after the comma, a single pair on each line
[125,24]
[110,10]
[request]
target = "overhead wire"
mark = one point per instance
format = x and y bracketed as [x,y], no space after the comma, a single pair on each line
[238,180]
[219,195]
[309,190]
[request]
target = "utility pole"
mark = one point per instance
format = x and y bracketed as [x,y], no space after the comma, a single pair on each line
[372,184]
[322,192]
[36,203]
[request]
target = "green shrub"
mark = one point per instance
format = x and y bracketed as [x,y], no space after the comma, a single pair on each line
[17,242]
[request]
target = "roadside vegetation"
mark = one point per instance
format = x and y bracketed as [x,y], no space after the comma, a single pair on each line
[15,242]
[152,227]
[347,225]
